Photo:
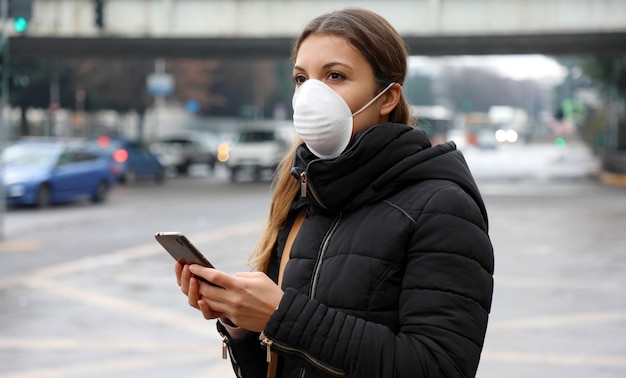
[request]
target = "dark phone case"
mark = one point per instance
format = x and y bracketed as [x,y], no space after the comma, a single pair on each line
[181,249]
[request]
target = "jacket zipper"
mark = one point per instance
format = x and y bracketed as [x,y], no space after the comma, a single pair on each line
[304,185]
[305,188]
[269,344]
[320,257]
[225,349]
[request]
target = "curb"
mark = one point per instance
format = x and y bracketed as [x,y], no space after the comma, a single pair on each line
[614,168]
[614,179]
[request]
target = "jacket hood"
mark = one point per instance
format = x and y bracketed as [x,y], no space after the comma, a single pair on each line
[379,162]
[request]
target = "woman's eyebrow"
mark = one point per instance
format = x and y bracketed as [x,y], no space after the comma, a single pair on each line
[325,66]
[332,64]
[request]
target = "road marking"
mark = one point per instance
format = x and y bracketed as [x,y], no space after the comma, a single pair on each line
[45,282]
[557,321]
[113,366]
[127,254]
[555,359]
[145,250]
[19,246]
[195,325]
[60,344]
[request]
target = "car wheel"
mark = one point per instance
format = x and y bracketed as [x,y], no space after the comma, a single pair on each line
[183,169]
[211,164]
[258,173]
[101,192]
[159,178]
[44,196]
[234,171]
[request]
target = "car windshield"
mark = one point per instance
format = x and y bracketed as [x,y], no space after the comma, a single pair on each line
[256,136]
[30,155]
[176,141]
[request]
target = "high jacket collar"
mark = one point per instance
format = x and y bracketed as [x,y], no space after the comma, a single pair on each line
[340,184]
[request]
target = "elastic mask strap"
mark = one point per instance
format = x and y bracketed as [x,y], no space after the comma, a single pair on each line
[373,100]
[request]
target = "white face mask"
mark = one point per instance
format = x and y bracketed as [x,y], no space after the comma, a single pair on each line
[323,119]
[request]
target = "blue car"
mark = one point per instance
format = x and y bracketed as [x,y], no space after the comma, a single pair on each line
[131,160]
[46,172]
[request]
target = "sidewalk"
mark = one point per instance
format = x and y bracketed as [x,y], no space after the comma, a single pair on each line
[534,162]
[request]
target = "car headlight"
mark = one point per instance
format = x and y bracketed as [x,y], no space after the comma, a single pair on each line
[15,190]
[511,136]
[223,152]
[12,179]
[501,135]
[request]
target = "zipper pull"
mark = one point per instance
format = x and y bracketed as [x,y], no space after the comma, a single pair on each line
[272,363]
[268,343]
[304,178]
[224,347]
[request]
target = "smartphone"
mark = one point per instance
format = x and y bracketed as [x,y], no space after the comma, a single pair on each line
[182,250]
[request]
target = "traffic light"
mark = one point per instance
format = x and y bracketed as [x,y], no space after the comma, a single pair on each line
[99,13]
[20,24]
[20,11]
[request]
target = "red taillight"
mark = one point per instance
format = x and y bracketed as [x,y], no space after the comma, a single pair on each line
[120,155]
[103,141]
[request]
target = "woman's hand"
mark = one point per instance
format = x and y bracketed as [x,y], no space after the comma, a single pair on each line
[246,299]
[189,285]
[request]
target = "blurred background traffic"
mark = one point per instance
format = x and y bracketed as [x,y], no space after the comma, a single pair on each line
[180,80]
[133,117]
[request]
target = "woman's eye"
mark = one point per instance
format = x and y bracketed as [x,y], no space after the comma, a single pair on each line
[335,76]
[299,79]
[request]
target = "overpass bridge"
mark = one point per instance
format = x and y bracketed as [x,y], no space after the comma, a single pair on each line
[266,28]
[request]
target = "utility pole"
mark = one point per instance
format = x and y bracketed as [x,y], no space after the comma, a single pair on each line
[4,100]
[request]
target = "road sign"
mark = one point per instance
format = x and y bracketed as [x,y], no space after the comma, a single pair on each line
[160,84]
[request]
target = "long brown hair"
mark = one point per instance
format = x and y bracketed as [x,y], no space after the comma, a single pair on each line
[386,53]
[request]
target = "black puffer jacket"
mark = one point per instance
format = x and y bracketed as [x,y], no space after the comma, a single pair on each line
[391,273]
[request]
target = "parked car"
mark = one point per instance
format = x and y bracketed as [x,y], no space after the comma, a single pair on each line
[131,160]
[255,150]
[179,151]
[41,173]
[486,139]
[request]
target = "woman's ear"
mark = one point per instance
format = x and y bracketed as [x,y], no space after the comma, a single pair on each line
[391,99]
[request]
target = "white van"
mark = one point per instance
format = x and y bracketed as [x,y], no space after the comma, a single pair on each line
[255,150]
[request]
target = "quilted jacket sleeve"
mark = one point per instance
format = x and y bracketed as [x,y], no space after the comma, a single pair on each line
[443,307]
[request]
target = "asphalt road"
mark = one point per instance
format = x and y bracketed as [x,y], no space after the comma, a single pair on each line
[85,291]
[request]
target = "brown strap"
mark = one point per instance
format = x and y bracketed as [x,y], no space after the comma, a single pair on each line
[287,250]
[273,362]
[272,365]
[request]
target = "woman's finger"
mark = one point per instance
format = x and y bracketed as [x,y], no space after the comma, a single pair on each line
[212,275]
[206,311]
[178,269]
[184,279]
[193,295]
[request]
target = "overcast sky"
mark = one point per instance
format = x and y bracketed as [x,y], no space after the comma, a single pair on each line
[517,67]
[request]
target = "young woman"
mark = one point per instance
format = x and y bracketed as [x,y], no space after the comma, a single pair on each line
[391,272]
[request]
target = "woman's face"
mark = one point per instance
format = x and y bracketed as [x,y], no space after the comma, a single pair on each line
[332,60]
